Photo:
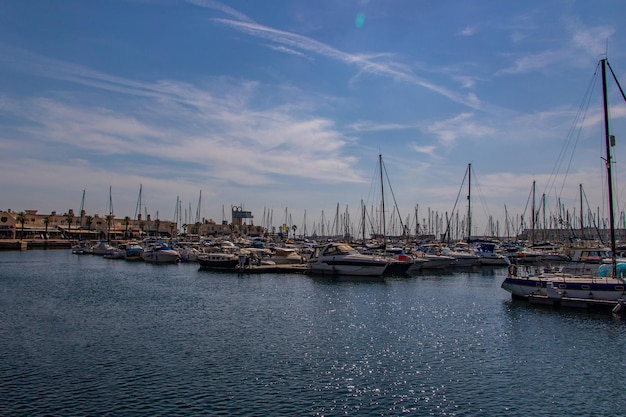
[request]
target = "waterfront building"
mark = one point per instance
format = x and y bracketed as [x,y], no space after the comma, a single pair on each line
[29,224]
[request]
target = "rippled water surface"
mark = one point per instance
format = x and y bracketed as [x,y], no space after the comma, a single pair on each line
[83,335]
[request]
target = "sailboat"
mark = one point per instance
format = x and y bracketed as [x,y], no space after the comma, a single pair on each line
[563,289]
[398,262]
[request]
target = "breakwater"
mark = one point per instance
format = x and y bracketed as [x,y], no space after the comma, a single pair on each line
[25,244]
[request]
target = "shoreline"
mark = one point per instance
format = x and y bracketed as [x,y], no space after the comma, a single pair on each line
[29,244]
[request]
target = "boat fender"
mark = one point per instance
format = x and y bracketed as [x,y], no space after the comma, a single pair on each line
[512,270]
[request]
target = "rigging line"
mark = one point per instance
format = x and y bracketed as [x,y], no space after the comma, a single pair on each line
[395,203]
[522,224]
[616,81]
[481,196]
[448,223]
[595,221]
[576,125]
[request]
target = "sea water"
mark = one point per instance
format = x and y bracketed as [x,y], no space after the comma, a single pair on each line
[84,335]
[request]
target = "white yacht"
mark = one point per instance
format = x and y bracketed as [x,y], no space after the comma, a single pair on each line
[342,259]
[160,253]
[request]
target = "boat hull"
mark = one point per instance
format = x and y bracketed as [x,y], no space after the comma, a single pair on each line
[221,261]
[230,264]
[163,256]
[557,287]
[347,267]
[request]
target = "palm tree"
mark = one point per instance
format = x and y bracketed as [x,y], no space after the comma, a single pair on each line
[70,218]
[21,218]
[157,223]
[109,220]
[46,221]
[294,227]
[126,223]
[88,222]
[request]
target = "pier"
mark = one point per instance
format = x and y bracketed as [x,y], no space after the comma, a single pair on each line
[265,269]
[25,244]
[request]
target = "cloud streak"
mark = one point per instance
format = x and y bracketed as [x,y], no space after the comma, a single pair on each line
[378,64]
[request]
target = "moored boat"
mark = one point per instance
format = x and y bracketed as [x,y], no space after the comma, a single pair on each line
[489,256]
[160,253]
[220,261]
[577,290]
[342,259]
[133,251]
[102,248]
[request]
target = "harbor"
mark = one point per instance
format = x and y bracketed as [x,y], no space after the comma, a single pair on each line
[338,209]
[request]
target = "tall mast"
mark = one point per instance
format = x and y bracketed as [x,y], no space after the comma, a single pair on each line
[199,208]
[82,208]
[138,208]
[110,201]
[582,220]
[363,219]
[533,218]
[610,141]
[469,202]
[417,221]
[382,193]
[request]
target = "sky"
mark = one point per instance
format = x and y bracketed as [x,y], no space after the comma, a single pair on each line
[287,107]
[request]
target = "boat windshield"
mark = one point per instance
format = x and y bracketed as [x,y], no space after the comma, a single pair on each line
[342,249]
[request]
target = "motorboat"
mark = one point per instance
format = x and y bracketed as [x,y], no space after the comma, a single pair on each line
[434,258]
[82,248]
[342,259]
[133,251]
[286,255]
[489,256]
[160,253]
[464,256]
[115,253]
[586,259]
[102,248]
[398,262]
[221,260]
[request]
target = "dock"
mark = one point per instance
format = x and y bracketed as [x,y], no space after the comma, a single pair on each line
[25,244]
[265,269]
[614,306]
[12,244]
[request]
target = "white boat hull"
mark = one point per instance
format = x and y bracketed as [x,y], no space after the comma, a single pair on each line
[345,268]
[162,256]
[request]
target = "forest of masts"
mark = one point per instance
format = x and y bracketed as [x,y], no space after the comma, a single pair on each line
[368,222]
[376,220]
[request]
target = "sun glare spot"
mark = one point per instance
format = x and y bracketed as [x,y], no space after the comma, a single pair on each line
[360,20]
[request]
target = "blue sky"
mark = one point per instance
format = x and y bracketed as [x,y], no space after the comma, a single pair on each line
[286,105]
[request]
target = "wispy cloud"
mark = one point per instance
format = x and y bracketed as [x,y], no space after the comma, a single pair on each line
[461,126]
[591,40]
[288,51]
[469,30]
[214,126]
[372,64]
[211,4]
[579,43]
[369,126]
[428,149]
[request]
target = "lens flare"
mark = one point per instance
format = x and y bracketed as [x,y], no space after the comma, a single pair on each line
[360,20]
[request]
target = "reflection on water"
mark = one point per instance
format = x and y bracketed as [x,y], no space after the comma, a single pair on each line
[82,335]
